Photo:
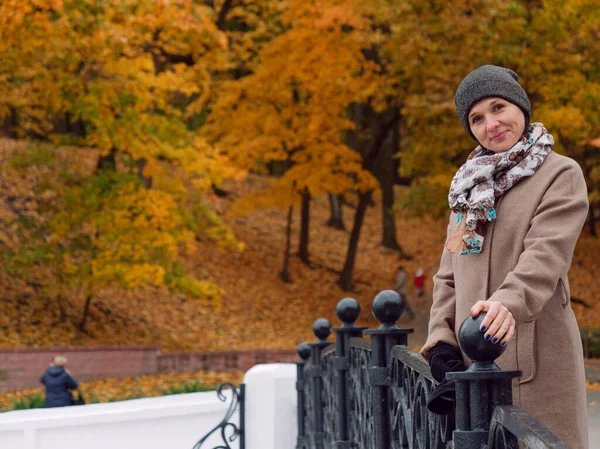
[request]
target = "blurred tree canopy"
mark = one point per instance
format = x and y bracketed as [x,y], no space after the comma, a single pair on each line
[175,96]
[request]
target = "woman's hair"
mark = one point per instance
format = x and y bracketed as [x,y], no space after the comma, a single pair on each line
[59,360]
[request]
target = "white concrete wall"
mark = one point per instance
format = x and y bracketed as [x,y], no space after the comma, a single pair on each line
[170,422]
[271,414]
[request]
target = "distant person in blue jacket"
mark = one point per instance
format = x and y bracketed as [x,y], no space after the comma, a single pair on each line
[58,382]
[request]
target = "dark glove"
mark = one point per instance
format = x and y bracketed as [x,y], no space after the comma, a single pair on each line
[442,399]
[443,359]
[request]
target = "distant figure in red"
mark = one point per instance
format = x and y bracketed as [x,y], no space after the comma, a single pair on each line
[401,287]
[419,281]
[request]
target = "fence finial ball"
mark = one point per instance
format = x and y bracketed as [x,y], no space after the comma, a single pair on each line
[303,351]
[322,329]
[387,307]
[473,342]
[348,310]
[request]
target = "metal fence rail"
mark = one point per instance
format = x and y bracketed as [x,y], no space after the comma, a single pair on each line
[411,385]
[372,393]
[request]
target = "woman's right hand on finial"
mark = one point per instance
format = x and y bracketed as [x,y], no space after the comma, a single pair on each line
[499,323]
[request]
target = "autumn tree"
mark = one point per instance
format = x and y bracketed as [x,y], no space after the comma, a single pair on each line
[561,64]
[130,80]
[294,107]
[431,47]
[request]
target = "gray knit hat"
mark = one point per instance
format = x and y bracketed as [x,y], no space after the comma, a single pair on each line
[489,81]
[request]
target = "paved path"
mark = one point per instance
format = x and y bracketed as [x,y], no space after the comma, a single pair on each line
[594,419]
[592,373]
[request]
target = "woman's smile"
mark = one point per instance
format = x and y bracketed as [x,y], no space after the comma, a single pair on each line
[500,136]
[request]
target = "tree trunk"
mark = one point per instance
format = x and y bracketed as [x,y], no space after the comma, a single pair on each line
[222,17]
[108,162]
[76,128]
[145,180]
[86,309]
[285,274]
[381,125]
[61,309]
[219,191]
[386,180]
[11,121]
[336,219]
[304,227]
[345,280]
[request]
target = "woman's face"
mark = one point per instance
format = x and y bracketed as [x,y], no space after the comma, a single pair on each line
[497,124]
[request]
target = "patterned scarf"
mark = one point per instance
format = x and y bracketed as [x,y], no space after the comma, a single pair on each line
[484,177]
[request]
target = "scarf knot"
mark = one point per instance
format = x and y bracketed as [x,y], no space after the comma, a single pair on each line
[484,177]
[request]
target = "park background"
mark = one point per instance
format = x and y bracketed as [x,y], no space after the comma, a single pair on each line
[215,175]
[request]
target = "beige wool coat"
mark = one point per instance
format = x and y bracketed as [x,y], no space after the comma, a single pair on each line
[526,254]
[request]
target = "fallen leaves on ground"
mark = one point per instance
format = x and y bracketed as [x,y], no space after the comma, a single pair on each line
[258,309]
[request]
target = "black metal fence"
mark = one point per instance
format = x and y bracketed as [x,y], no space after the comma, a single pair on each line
[372,393]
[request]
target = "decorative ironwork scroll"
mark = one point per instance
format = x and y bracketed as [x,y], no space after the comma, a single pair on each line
[229,430]
[361,408]
[309,407]
[330,397]
[413,426]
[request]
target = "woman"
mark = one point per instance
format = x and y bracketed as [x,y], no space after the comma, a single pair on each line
[58,382]
[517,209]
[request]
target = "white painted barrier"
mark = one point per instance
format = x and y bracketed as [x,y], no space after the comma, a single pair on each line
[170,422]
[271,414]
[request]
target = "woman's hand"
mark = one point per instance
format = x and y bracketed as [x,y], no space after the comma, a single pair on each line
[499,323]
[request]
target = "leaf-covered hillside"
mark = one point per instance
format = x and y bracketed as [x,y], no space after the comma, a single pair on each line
[257,309]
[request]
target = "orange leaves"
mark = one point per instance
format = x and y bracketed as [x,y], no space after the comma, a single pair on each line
[293,108]
[339,16]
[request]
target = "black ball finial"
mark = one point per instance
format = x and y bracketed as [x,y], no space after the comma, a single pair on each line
[388,307]
[303,351]
[348,310]
[322,329]
[474,344]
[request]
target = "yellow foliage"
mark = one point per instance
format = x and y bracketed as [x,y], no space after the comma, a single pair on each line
[87,231]
[293,108]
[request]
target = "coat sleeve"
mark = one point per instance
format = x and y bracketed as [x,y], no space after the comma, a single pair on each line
[43,379]
[71,383]
[443,310]
[549,246]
